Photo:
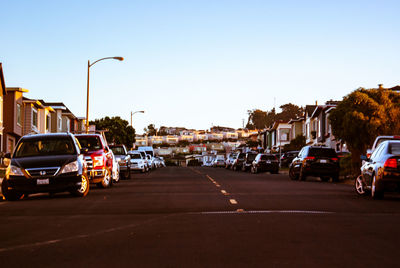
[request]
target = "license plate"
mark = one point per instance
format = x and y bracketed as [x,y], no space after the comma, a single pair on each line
[268,162]
[42,181]
[323,161]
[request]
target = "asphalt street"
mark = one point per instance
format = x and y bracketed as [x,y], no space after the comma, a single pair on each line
[203,217]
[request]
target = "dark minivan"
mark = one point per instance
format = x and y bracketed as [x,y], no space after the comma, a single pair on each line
[46,163]
[315,161]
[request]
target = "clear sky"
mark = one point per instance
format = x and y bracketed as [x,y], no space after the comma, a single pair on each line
[197,63]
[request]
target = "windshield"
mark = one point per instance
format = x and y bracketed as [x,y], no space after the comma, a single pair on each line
[45,146]
[119,150]
[136,156]
[241,156]
[149,152]
[90,143]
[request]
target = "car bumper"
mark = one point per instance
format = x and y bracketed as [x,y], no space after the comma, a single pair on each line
[53,184]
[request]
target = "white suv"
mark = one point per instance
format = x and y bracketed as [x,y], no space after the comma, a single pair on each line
[137,161]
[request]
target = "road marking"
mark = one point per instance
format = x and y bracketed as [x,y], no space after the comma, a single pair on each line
[224,192]
[233,201]
[242,211]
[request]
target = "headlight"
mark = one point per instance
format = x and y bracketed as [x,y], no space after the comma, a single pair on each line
[71,167]
[15,171]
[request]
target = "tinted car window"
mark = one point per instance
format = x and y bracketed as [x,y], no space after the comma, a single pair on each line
[395,148]
[322,152]
[118,150]
[47,146]
[91,143]
[241,155]
[251,157]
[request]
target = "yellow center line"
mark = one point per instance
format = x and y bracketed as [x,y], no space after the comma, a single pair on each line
[233,201]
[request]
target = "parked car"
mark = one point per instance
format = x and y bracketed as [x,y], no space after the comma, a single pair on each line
[123,159]
[265,162]
[150,155]
[146,160]
[98,157]
[229,160]
[238,162]
[248,160]
[46,163]
[315,161]
[138,163]
[115,170]
[288,157]
[219,161]
[380,172]
[379,140]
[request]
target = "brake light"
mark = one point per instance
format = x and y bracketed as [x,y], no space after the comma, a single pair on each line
[310,158]
[334,159]
[98,161]
[391,163]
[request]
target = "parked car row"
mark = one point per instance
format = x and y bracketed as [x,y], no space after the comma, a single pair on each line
[253,161]
[59,162]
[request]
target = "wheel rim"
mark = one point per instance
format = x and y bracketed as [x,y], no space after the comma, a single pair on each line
[84,185]
[107,178]
[359,186]
[373,188]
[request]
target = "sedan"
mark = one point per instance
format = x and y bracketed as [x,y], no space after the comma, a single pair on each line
[380,172]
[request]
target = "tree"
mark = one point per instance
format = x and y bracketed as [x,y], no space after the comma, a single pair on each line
[363,115]
[296,144]
[118,130]
[150,130]
[289,111]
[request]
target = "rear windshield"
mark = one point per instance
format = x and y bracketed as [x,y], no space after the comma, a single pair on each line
[90,143]
[241,155]
[268,157]
[119,150]
[322,152]
[45,146]
[395,148]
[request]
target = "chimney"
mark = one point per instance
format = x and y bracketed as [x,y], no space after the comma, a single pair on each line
[316,103]
[380,86]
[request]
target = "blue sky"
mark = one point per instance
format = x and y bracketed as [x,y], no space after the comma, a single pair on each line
[197,63]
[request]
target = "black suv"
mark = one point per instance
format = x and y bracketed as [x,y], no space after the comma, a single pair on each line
[46,163]
[265,162]
[315,161]
[238,161]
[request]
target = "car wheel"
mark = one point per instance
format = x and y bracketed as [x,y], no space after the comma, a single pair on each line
[375,193]
[359,185]
[128,174]
[10,195]
[302,175]
[84,190]
[234,168]
[253,170]
[292,174]
[107,181]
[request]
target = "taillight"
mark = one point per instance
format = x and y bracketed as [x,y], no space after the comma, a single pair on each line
[334,159]
[310,158]
[391,163]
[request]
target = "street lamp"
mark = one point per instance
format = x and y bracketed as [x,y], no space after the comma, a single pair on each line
[88,75]
[132,113]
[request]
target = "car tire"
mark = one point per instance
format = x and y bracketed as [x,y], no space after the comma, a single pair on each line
[106,181]
[116,177]
[292,174]
[84,190]
[302,175]
[375,193]
[360,186]
[253,170]
[10,195]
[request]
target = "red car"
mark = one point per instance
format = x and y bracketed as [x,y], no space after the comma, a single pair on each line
[98,158]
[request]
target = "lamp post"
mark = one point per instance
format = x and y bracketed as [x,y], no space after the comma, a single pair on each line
[88,76]
[132,113]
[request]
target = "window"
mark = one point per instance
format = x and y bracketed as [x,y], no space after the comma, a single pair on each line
[47,123]
[1,109]
[34,118]
[19,114]
[59,121]
[68,124]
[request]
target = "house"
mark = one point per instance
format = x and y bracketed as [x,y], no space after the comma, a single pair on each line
[14,121]
[280,134]
[3,93]
[309,126]
[63,120]
[296,127]
[34,121]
